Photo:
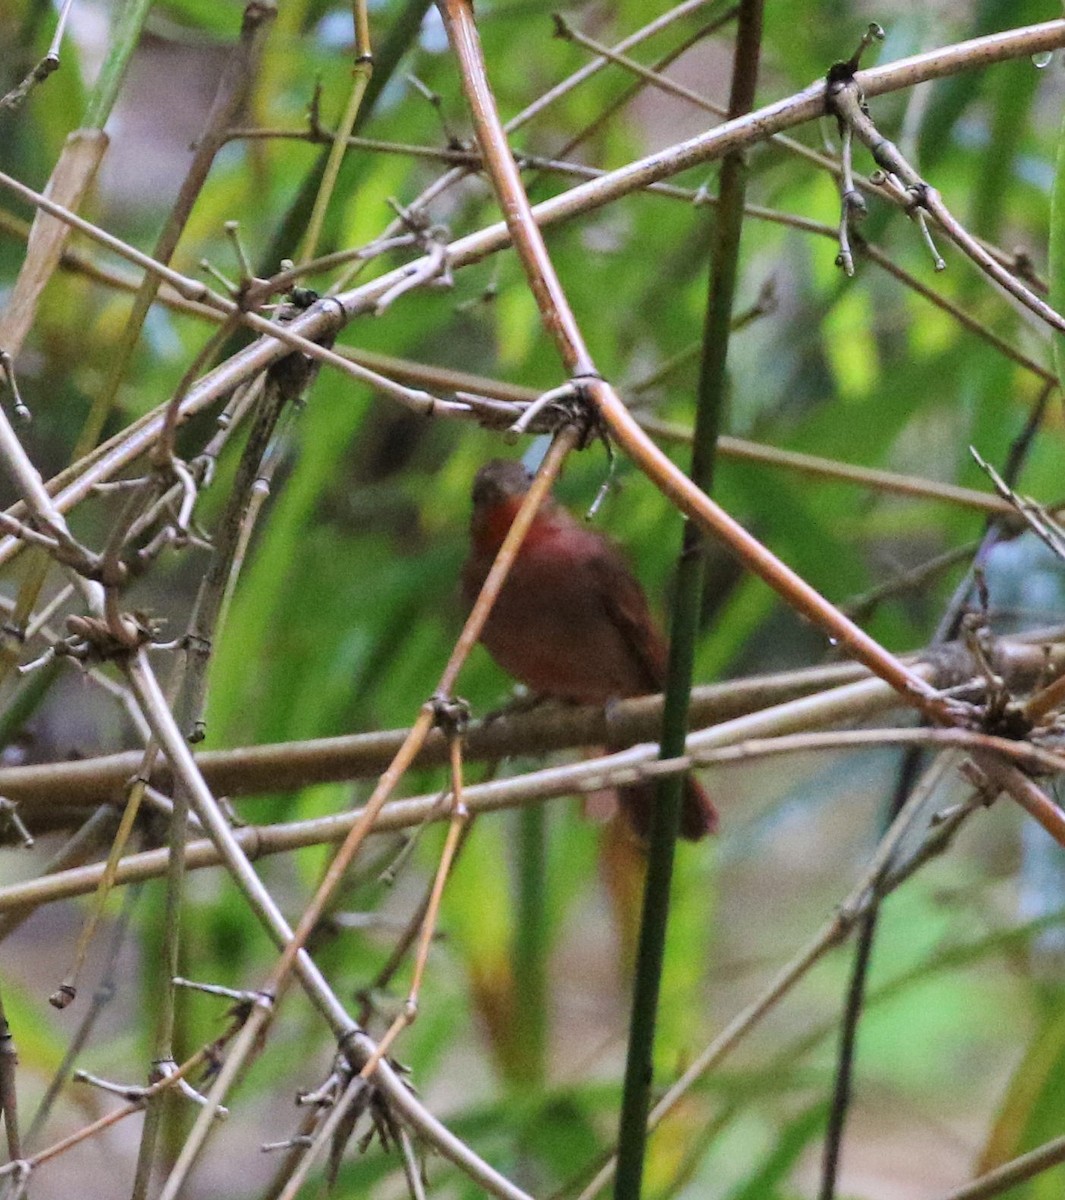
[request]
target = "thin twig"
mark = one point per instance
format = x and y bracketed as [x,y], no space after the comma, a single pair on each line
[145,686]
[9,1088]
[102,995]
[459,819]
[355,1091]
[474,247]
[852,702]
[1010,1174]
[16,97]
[1035,516]
[283,386]
[846,100]
[362,69]
[233,86]
[879,877]
[1023,663]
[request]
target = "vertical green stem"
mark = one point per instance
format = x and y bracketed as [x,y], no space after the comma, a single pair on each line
[166,971]
[530,946]
[103,993]
[8,1089]
[363,72]
[401,36]
[125,34]
[632,1135]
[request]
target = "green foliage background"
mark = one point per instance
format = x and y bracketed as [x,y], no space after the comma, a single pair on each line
[347,608]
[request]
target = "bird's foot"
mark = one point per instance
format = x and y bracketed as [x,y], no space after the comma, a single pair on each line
[521,701]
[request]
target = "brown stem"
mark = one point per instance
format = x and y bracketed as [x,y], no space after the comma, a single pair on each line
[414,741]
[506,180]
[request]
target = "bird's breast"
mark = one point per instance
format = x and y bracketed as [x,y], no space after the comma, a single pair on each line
[551,626]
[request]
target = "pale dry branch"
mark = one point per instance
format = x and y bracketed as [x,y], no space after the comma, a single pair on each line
[846,100]
[848,703]
[1024,663]
[262,903]
[880,877]
[472,248]
[1012,1173]
[1004,760]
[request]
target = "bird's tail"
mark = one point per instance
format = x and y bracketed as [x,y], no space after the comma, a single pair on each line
[698,816]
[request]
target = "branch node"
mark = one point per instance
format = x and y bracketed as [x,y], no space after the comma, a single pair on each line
[63,996]
[9,815]
[8,377]
[450,713]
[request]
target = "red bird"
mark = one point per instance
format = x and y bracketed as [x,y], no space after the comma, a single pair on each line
[571,621]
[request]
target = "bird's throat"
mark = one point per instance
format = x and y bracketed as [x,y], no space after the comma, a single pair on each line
[493,524]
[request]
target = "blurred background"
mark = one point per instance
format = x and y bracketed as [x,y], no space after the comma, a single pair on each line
[347,608]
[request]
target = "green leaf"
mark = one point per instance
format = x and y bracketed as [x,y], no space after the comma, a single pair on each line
[792,1142]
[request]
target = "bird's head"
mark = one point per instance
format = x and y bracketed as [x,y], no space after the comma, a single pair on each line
[498,489]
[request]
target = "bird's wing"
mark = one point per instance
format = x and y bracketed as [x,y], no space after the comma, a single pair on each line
[627,607]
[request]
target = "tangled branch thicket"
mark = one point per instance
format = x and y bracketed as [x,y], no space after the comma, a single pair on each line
[247,385]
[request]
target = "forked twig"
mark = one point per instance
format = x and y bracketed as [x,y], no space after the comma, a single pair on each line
[845,98]
[459,818]
[351,1038]
[362,1081]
